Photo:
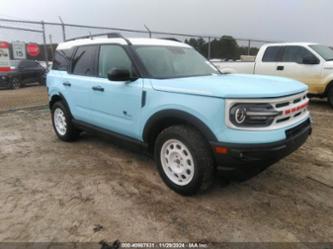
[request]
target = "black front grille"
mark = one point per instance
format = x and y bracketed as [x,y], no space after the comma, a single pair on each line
[298,129]
[282,104]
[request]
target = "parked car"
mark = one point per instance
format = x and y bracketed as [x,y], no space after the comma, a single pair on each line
[26,72]
[309,63]
[165,97]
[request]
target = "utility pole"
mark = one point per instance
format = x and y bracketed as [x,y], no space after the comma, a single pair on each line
[149,31]
[46,56]
[209,48]
[51,46]
[249,48]
[63,29]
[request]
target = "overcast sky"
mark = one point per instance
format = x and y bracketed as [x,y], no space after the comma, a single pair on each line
[277,20]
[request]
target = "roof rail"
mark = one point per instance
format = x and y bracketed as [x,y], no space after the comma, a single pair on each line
[171,39]
[108,35]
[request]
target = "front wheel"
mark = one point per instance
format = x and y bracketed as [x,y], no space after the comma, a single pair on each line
[184,160]
[62,123]
[330,96]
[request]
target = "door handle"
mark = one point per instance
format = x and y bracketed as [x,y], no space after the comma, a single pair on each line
[98,88]
[67,84]
[280,68]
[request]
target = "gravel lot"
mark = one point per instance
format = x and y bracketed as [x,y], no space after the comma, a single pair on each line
[92,190]
[23,97]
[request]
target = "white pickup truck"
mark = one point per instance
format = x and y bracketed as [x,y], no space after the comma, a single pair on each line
[307,62]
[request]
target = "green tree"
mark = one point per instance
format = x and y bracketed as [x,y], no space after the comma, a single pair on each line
[199,44]
[228,48]
[225,47]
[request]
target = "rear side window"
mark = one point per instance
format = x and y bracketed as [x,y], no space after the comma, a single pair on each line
[84,61]
[113,56]
[62,59]
[295,54]
[25,64]
[272,54]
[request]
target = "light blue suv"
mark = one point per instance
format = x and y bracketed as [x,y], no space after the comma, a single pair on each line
[165,97]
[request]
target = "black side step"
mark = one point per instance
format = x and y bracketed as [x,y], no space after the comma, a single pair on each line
[118,139]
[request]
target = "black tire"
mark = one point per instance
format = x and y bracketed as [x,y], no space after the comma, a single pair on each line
[200,151]
[69,133]
[330,95]
[15,83]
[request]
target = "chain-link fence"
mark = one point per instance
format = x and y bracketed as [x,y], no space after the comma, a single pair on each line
[44,36]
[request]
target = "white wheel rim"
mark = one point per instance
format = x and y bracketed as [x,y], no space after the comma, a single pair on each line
[177,162]
[60,121]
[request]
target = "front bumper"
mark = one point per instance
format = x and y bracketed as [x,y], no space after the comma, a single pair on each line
[247,155]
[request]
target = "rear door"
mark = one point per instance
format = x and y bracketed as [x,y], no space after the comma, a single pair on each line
[25,71]
[57,78]
[37,70]
[79,82]
[34,71]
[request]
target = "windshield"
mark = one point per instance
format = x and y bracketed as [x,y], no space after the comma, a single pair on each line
[172,62]
[323,51]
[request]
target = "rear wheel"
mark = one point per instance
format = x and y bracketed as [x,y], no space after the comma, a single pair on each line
[184,160]
[62,123]
[15,83]
[330,95]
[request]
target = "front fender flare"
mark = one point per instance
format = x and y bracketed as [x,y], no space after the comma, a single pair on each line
[170,114]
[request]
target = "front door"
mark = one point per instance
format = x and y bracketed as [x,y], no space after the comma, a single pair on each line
[268,65]
[292,66]
[116,105]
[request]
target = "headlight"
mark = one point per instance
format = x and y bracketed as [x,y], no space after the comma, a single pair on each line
[252,115]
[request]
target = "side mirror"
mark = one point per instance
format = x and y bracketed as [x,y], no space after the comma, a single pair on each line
[118,74]
[310,60]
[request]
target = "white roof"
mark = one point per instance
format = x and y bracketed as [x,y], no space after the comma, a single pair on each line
[121,41]
[291,44]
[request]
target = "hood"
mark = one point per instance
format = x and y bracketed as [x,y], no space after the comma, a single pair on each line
[232,86]
[328,65]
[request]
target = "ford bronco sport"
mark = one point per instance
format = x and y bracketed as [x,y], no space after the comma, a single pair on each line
[166,97]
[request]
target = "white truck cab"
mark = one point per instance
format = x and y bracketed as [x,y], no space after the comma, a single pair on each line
[309,63]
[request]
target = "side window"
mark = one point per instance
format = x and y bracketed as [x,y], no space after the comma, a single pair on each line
[84,61]
[61,59]
[113,56]
[23,64]
[272,54]
[295,54]
[34,64]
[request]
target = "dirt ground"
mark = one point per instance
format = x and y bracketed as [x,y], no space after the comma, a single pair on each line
[23,97]
[92,190]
